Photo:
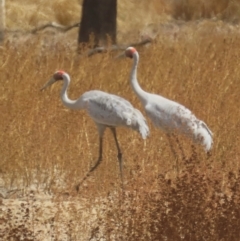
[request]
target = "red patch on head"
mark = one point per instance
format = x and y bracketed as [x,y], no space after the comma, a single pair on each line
[61,72]
[133,50]
[130,51]
[58,75]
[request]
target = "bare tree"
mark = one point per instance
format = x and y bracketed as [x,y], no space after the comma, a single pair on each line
[2,19]
[99,19]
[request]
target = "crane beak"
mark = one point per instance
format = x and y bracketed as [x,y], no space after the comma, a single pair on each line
[50,82]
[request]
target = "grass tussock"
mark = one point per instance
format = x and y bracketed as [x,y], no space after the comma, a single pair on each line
[193,10]
[48,148]
[29,14]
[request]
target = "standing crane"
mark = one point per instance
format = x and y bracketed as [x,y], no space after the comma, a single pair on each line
[168,115]
[106,110]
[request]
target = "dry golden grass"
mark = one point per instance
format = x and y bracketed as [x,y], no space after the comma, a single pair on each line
[136,19]
[47,148]
[131,14]
[28,14]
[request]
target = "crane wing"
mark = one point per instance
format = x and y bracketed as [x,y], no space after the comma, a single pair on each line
[108,110]
[170,116]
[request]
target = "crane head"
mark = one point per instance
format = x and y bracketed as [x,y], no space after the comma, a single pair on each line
[58,75]
[130,51]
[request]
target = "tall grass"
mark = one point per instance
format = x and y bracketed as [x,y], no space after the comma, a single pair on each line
[192,10]
[131,14]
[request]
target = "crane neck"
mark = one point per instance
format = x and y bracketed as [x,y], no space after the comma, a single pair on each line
[72,104]
[142,95]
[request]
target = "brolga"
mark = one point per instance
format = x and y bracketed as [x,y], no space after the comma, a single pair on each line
[106,110]
[168,115]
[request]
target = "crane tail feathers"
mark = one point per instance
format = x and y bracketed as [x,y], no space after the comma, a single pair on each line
[141,124]
[144,132]
[207,135]
[204,125]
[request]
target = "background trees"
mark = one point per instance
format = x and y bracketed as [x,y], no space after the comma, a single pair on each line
[99,21]
[2,19]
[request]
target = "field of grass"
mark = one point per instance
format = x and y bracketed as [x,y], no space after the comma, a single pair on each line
[45,149]
[135,17]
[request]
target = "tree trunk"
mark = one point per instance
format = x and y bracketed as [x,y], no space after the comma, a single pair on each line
[99,19]
[2,19]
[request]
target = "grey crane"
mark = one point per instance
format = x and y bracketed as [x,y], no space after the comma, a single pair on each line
[168,115]
[106,110]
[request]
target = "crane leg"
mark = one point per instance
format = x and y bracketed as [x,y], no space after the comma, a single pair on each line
[173,150]
[119,152]
[99,155]
[101,131]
